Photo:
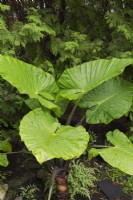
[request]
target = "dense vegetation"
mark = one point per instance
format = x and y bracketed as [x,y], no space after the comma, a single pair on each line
[55,35]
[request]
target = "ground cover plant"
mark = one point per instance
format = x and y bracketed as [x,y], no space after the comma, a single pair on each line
[80,179]
[118,177]
[92,86]
[28,192]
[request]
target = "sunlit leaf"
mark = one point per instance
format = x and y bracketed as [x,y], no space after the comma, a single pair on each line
[47,139]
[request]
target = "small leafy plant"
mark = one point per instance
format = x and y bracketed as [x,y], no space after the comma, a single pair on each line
[80,179]
[115,174]
[120,177]
[28,192]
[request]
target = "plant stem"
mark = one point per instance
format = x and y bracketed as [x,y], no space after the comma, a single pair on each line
[71,115]
[80,122]
[54,174]
[15,152]
[72,112]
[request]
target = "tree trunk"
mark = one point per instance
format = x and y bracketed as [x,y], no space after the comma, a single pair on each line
[62,12]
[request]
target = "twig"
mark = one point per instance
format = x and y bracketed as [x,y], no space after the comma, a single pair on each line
[54,174]
[15,152]
[72,112]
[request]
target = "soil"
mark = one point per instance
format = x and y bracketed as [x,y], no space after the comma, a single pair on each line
[22,171]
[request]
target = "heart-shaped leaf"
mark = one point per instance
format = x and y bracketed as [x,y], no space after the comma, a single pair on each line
[47,139]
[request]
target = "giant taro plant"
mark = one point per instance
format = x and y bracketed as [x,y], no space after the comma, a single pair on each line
[94,86]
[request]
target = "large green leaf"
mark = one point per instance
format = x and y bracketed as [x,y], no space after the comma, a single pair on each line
[119,156]
[79,80]
[47,139]
[109,101]
[29,80]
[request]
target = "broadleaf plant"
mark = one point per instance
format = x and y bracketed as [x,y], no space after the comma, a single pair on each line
[40,130]
[120,155]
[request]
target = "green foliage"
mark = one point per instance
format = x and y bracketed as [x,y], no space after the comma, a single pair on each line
[55,38]
[122,147]
[5,146]
[5,35]
[115,174]
[10,105]
[38,84]
[120,24]
[19,38]
[4,7]
[102,30]
[128,185]
[120,177]
[118,21]
[29,192]
[102,103]
[34,30]
[3,160]
[91,31]
[74,48]
[77,81]
[52,140]
[6,40]
[58,36]
[81,179]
